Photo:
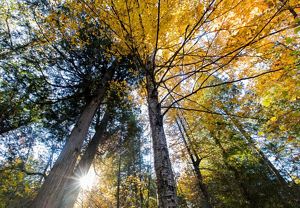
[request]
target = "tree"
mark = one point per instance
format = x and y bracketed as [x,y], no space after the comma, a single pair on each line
[195,161]
[179,52]
[187,61]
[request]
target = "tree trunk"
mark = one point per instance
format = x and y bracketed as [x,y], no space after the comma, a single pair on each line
[166,187]
[48,165]
[149,178]
[272,169]
[251,142]
[49,194]
[119,182]
[196,163]
[72,187]
[203,187]
[141,198]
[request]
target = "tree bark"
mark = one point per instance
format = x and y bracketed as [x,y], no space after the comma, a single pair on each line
[166,187]
[72,187]
[49,194]
[196,163]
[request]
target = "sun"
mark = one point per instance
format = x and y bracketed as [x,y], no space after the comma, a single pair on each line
[88,181]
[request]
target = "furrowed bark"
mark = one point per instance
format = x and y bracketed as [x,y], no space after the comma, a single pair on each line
[166,187]
[72,187]
[49,194]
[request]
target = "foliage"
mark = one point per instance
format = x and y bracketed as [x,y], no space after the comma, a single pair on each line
[228,69]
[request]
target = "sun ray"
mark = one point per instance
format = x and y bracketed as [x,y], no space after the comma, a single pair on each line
[87,181]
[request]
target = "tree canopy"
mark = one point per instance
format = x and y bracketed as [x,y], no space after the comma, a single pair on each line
[155,103]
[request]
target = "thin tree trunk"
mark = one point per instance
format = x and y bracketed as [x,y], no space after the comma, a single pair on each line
[72,187]
[119,182]
[149,178]
[251,142]
[196,163]
[269,164]
[166,187]
[141,197]
[48,165]
[49,194]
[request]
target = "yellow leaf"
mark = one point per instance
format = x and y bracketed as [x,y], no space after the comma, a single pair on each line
[260,133]
[282,127]
[266,102]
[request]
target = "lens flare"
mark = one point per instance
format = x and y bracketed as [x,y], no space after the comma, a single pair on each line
[87,181]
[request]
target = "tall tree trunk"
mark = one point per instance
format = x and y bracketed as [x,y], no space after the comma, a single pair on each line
[119,182]
[140,161]
[251,142]
[149,178]
[166,187]
[49,194]
[196,163]
[286,191]
[72,186]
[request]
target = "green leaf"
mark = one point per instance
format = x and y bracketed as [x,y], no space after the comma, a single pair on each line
[289,40]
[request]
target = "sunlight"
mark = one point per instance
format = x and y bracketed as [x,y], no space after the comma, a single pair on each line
[87,181]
